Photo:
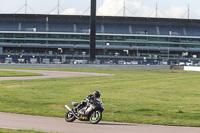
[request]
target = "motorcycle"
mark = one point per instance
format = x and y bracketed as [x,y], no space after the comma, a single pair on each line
[91,112]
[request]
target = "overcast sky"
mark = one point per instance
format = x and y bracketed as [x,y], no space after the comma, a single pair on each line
[139,8]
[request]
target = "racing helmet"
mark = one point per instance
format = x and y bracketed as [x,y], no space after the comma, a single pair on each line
[97,93]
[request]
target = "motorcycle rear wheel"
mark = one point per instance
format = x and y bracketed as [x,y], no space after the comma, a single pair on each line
[97,119]
[69,117]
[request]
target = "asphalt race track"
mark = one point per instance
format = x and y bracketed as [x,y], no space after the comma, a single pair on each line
[50,74]
[53,124]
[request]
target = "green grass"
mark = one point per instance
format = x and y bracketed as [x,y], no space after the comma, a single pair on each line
[14,74]
[2,130]
[135,96]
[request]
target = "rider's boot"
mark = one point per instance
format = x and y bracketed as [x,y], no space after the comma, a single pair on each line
[74,110]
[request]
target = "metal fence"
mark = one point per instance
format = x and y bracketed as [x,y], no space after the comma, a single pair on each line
[88,66]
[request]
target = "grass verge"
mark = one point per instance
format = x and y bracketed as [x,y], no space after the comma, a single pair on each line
[135,96]
[2,130]
[17,74]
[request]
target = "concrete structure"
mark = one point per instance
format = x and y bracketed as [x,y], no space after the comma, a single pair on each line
[146,40]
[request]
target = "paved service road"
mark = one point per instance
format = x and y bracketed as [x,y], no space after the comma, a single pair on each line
[52,124]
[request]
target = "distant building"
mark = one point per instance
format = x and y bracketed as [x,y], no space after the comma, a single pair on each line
[68,37]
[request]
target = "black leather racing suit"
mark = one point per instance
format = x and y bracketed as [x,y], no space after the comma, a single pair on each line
[90,98]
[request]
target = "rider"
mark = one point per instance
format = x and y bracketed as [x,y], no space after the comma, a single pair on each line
[90,98]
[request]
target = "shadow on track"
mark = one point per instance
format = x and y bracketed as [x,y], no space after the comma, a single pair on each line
[108,123]
[120,124]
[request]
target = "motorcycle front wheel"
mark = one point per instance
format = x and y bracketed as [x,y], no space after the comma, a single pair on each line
[69,117]
[94,119]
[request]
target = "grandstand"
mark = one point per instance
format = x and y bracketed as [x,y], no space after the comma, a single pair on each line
[66,38]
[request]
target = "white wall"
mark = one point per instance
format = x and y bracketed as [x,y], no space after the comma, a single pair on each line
[191,68]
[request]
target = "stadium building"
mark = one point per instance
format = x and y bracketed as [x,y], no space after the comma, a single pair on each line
[65,38]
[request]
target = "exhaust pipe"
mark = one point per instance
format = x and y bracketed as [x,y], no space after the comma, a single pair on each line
[70,109]
[66,106]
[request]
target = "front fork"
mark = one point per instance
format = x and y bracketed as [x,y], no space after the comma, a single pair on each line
[94,114]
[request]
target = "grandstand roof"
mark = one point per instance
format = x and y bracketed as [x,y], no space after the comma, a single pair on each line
[105,24]
[100,19]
